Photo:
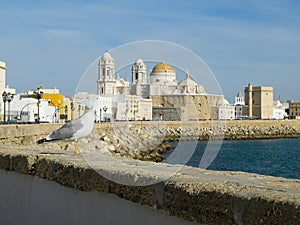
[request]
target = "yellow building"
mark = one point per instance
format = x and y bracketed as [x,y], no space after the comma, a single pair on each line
[53,97]
[294,110]
[72,109]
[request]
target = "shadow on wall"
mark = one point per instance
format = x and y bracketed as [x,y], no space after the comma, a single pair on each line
[31,200]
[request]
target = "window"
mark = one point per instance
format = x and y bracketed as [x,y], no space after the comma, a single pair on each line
[136,76]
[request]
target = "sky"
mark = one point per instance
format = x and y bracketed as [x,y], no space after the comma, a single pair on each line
[54,42]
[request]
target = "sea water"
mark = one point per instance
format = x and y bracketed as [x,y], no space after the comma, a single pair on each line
[275,157]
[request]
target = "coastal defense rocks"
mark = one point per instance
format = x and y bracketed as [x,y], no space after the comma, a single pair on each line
[148,140]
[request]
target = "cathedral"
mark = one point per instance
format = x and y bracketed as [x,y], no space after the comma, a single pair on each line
[171,99]
[162,80]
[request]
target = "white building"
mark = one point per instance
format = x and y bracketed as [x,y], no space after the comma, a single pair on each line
[145,109]
[103,109]
[162,80]
[26,110]
[279,110]
[226,111]
[134,107]
[162,88]
[102,105]
[239,104]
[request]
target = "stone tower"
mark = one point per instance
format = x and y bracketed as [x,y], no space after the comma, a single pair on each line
[138,72]
[239,99]
[106,75]
[139,79]
[259,101]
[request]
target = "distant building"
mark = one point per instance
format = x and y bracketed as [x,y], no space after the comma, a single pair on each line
[53,99]
[102,105]
[259,102]
[279,110]
[134,107]
[226,111]
[103,109]
[294,110]
[239,105]
[167,94]
[26,110]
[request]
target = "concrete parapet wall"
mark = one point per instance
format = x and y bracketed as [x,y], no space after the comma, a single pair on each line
[206,197]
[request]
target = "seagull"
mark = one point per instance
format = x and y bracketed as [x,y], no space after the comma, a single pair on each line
[73,130]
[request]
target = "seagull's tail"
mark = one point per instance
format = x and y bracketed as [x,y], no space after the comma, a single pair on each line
[42,141]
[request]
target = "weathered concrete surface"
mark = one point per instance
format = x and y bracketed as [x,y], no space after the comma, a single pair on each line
[206,197]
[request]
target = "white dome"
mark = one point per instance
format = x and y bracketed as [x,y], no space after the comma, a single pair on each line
[223,102]
[139,61]
[106,55]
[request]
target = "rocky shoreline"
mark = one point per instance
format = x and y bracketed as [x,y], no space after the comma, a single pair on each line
[148,140]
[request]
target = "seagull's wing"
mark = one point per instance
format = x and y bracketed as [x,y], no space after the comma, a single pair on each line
[67,131]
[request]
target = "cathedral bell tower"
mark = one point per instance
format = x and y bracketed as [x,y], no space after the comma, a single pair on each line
[139,78]
[138,71]
[106,75]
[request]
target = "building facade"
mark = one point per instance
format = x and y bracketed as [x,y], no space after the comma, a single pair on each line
[239,104]
[162,88]
[279,110]
[259,102]
[294,110]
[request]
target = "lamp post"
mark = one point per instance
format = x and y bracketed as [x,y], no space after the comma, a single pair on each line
[100,115]
[9,99]
[66,113]
[72,110]
[4,97]
[104,109]
[38,94]
[79,108]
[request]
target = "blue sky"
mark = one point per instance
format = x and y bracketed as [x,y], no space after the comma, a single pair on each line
[53,42]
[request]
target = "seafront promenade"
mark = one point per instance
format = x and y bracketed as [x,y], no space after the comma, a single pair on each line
[190,194]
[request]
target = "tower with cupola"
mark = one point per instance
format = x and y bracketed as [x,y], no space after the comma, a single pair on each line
[106,75]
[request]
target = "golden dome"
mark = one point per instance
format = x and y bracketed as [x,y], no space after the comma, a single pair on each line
[162,67]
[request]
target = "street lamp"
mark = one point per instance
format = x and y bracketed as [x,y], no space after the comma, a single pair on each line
[39,95]
[4,97]
[104,109]
[79,108]
[72,110]
[9,99]
[66,113]
[100,115]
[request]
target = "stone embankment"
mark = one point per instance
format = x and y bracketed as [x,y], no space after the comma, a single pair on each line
[193,194]
[206,197]
[147,140]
